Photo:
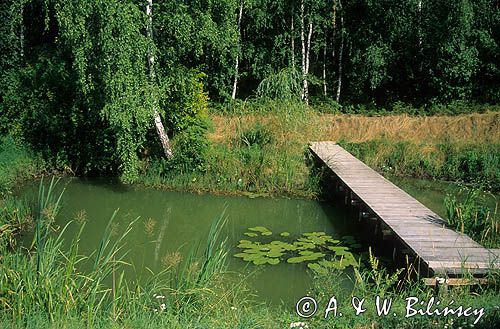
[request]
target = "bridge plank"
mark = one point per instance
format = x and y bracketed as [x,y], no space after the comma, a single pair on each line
[419,229]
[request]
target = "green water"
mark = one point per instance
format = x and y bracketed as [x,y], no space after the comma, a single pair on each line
[175,221]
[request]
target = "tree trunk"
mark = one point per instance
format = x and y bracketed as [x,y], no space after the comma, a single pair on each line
[21,33]
[334,28]
[236,65]
[305,53]
[306,91]
[324,69]
[292,37]
[341,51]
[160,129]
[303,43]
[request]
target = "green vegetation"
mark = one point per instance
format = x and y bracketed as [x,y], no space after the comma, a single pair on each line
[310,247]
[17,163]
[87,87]
[52,285]
[468,163]
[468,213]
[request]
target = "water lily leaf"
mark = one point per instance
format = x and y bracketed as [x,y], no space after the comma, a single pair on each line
[314,256]
[259,229]
[295,260]
[273,261]
[260,261]
[267,233]
[317,268]
[274,254]
[338,249]
[306,252]
[251,234]
[285,234]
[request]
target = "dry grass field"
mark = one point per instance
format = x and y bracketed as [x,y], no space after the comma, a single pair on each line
[471,128]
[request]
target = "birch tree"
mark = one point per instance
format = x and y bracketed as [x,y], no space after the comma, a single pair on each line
[306,48]
[237,60]
[160,129]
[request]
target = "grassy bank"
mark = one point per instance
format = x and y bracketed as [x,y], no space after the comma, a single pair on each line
[44,287]
[265,153]
[17,163]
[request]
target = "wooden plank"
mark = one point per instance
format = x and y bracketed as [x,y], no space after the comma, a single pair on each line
[419,229]
[454,281]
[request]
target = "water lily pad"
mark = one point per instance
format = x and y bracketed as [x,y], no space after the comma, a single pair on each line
[274,254]
[260,261]
[273,261]
[285,234]
[251,234]
[259,229]
[267,233]
[338,249]
[295,260]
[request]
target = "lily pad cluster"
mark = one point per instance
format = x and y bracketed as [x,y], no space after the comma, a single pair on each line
[320,251]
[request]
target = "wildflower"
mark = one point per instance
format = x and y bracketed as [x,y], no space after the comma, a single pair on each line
[159,297]
[299,325]
[233,308]
[163,307]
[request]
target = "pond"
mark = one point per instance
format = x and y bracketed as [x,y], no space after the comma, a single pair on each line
[173,222]
[177,221]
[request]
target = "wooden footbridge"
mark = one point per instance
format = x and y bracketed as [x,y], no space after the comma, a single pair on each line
[417,230]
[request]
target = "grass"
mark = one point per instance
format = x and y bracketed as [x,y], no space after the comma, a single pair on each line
[265,152]
[468,213]
[44,287]
[17,163]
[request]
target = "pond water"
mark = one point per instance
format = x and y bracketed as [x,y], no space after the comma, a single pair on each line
[176,221]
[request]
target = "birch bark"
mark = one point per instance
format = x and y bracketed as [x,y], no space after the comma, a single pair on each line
[160,129]
[237,62]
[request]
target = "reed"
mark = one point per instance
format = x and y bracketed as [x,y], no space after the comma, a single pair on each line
[468,213]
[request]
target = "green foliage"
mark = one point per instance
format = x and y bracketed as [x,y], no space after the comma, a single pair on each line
[468,213]
[282,85]
[450,161]
[16,164]
[320,250]
[258,135]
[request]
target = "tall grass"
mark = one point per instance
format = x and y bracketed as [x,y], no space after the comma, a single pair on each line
[52,281]
[469,214]
[265,153]
[16,164]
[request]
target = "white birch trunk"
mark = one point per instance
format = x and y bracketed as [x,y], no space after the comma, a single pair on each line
[303,44]
[324,69]
[341,51]
[160,129]
[305,54]
[237,62]
[21,33]
[292,36]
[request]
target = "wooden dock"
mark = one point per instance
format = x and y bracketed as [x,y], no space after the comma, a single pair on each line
[418,231]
